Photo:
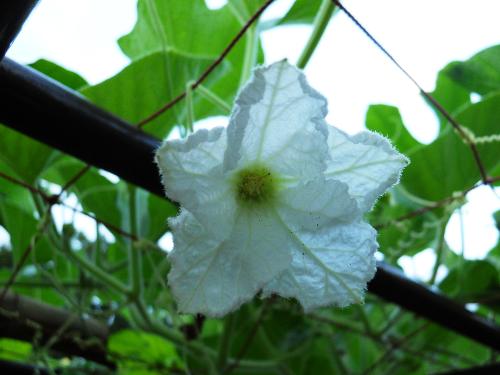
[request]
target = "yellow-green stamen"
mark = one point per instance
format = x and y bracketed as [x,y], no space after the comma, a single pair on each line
[255,184]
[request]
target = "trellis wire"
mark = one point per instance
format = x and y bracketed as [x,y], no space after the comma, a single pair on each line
[464,135]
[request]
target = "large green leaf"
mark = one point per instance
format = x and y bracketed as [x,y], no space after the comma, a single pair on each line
[446,165]
[471,280]
[26,157]
[183,27]
[319,359]
[386,120]
[22,226]
[15,350]
[60,74]
[17,216]
[301,12]
[14,194]
[362,353]
[150,82]
[450,95]
[191,30]
[480,73]
[138,352]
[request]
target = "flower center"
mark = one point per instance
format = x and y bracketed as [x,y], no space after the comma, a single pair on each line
[255,184]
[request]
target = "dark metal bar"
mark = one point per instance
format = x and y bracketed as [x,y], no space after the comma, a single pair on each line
[24,318]
[392,285]
[10,367]
[49,112]
[12,16]
[54,115]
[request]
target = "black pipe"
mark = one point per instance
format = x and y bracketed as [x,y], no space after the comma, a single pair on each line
[392,285]
[30,319]
[18,368]
[12,16]
[53,114]
[48,112]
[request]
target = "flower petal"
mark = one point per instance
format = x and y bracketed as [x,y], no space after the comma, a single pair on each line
[315,203]
[192,175]
[366,162]
[215,277]
[331,267]
[278,120]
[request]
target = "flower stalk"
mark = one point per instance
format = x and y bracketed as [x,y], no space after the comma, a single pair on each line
[320,23]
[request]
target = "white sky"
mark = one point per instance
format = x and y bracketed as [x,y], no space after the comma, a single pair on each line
[423,35]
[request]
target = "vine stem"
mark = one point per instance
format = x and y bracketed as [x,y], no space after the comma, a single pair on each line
[225,342]
[98,273]
[189,108]
[250,56]
[135,256]
[320,23]
[439,251]
[213,98]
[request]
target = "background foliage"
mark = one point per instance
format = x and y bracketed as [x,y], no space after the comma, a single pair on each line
[169,48]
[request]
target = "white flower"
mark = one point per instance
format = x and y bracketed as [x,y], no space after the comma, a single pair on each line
[275,202]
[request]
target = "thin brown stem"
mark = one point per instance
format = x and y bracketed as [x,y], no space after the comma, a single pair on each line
[73,180]
[23,184]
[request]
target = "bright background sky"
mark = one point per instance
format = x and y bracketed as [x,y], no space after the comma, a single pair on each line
[347,68]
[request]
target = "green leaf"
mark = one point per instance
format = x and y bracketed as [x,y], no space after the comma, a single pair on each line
[60,74]
[386,120]
[451,95]
[301,12]
[162,26]
[148,83]
[362,353]
[319,359]
[26,157]
[480,73]
[14,194]
[22,226]
[15,350]
[287,332]
[446,165]
[142,353]
[470,280]
[191,30]
[153,212]
[244,9]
